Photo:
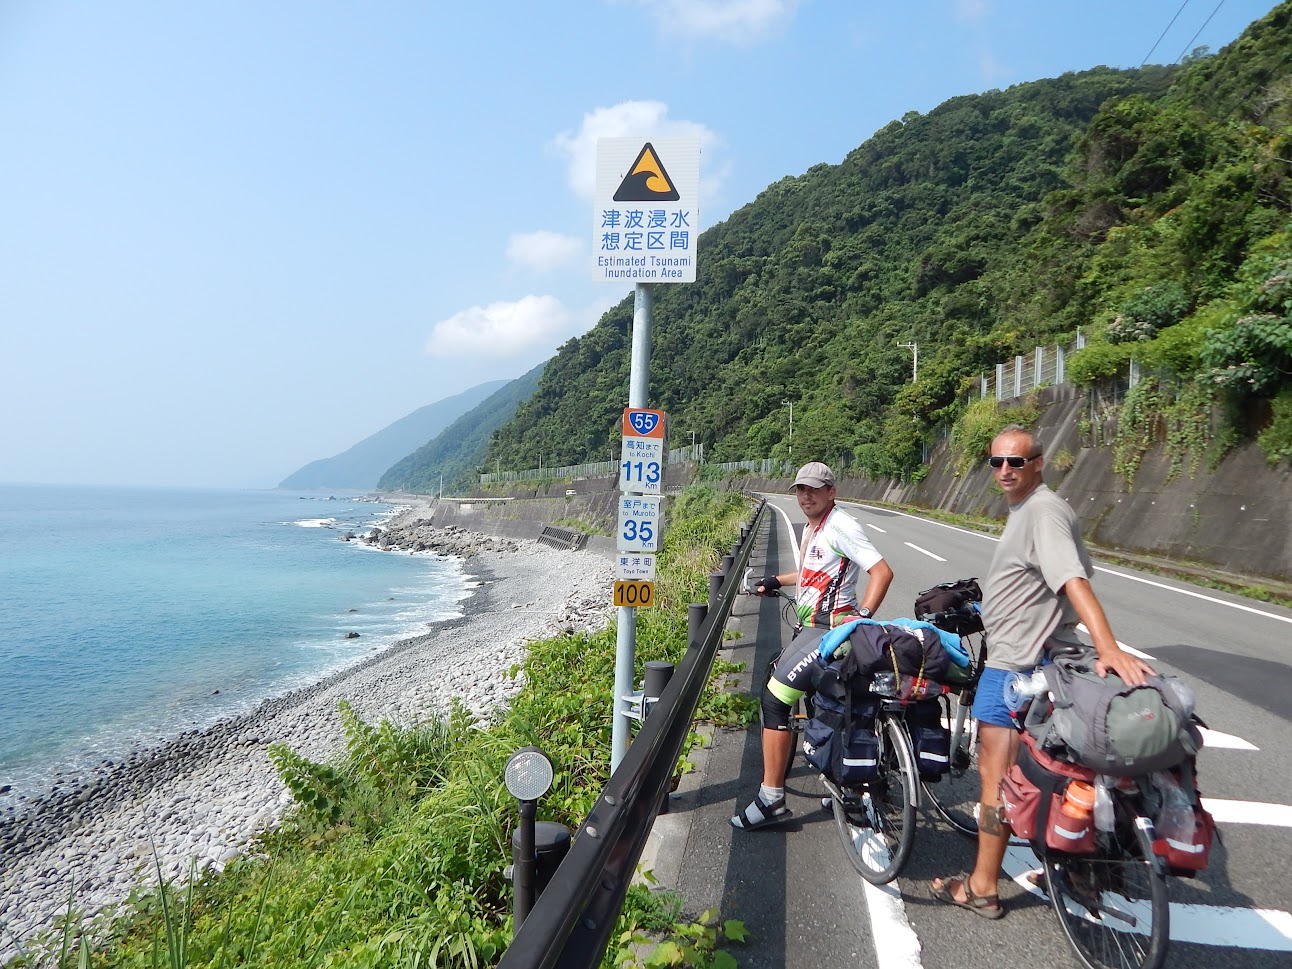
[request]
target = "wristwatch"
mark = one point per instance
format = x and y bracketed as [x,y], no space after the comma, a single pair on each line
[864,612]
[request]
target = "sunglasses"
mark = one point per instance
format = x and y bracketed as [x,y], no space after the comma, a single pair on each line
[1013,460]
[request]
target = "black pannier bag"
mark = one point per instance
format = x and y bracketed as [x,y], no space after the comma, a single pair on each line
[840,740]
[930,738]
[952,606]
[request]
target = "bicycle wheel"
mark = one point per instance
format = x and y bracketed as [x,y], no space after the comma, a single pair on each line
[876,820]
[1113,905]
[956,794]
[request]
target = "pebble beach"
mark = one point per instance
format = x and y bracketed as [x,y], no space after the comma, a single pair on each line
[199,798]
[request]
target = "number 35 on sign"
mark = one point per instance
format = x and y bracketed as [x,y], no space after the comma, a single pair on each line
[639,523]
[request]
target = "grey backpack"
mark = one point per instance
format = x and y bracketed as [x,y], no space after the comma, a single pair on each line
[1109,727]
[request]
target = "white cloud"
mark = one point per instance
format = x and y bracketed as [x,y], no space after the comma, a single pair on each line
[543,251]
[501,329]
[738,21]
[622,120]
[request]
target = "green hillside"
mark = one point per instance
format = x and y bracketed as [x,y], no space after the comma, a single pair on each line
[1149,207]
[458,451]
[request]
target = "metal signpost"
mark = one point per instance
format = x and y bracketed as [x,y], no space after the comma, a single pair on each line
[645,229]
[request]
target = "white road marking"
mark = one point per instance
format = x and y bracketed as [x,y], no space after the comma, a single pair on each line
[1214,738]
[789,527]
[874,527]
[896,944]
[1267,929]
[925,551]
[1248,812]
[1196,595]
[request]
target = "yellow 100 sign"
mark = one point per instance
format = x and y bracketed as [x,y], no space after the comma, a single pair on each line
[639,595]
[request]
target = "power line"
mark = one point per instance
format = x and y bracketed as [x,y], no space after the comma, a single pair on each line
[1189,46]
[1168,27]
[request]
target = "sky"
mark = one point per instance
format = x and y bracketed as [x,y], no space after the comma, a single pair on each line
[237,236]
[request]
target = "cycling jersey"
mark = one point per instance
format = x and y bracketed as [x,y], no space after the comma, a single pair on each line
[833,556]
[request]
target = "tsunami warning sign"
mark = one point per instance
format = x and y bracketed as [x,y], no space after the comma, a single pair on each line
[646,217]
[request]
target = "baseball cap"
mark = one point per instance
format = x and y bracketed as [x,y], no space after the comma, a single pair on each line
[815,475]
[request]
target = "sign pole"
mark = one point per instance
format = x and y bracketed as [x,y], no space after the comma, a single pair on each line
[645,229]
[626,632]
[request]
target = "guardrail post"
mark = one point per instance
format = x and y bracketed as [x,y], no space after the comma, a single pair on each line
[715,586]
[658,673]
[696,613]
[727,561]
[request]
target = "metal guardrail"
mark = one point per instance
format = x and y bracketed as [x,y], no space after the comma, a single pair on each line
[571,922]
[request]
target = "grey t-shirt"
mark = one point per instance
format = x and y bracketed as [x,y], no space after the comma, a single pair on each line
[1023,606]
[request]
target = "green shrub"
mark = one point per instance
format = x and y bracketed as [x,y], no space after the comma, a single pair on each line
[1097,361]
[1276,439]
[978,425]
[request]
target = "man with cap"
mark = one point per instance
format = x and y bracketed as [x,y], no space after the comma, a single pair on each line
[834,553]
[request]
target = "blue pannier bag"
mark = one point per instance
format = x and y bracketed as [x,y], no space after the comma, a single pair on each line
[840,739]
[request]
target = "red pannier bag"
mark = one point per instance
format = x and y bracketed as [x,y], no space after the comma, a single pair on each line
[1188,853]
[1031,794]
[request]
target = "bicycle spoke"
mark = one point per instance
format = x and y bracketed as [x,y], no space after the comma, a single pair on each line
[1113,905]
[876,822]
[956,794]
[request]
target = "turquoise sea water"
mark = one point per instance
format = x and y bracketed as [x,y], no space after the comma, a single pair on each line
[129,615]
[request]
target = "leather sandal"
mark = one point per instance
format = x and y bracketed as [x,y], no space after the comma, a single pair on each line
[988,906]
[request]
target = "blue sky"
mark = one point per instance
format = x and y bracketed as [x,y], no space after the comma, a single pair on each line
[240,235]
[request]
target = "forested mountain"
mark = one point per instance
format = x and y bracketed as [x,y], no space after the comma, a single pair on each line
[1148,207]
[458,451]
[359,467]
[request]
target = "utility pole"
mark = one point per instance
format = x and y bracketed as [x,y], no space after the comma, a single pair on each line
[791,438]
[915,366]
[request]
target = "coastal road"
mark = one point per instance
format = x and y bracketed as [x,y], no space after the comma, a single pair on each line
[1234,652]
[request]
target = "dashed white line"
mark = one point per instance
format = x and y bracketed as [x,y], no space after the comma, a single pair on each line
[925,551]
[1248,812]
[1214,738]
[1268,929]
[873,527]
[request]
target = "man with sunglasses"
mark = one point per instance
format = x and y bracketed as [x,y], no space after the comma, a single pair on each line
[1036,591]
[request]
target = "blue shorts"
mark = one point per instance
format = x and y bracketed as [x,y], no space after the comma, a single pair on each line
[989,704]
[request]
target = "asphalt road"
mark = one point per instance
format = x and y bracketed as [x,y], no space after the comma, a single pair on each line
[805,907]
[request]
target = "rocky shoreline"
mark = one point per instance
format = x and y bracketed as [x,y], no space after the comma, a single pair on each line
[200,797]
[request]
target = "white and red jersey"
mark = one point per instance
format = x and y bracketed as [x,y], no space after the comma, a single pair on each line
[832,558]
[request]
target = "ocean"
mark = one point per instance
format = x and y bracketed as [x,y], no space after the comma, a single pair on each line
[129,615]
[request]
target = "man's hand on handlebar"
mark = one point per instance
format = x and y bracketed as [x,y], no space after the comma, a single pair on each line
[767,585]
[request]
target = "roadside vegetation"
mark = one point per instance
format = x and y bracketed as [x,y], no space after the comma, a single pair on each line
[394,854]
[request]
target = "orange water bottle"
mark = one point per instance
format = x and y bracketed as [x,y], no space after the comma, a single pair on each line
[1071,827]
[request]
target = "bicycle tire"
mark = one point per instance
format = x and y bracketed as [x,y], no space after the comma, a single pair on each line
[876,820]
[956,794]
[1128,925]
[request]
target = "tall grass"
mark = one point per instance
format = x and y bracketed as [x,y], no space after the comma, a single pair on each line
[394,853]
